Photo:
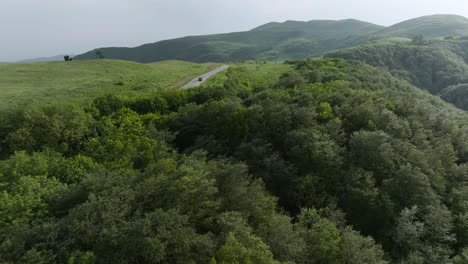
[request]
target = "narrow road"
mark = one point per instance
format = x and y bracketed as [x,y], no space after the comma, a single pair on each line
[195,82]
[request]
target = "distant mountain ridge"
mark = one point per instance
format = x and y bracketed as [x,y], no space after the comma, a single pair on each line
[283,41]
[429,26]
[315,27]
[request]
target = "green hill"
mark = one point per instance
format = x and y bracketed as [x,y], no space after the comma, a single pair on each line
[284,41]
[437,66]
[81,81]
[319,28]
[429,26]
[273,41]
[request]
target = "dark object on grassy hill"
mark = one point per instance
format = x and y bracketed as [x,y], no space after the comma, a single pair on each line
[67,58]
[99,54]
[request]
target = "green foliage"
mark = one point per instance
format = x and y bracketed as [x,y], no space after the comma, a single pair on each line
[224,173]
[58,127]
[418,40]
[248,250]
[285,41]
[291,80]
[82,258]
[359,249]
[122,141]
[325,112]
[432,26]
[437,66]
[322,238]
[26,200]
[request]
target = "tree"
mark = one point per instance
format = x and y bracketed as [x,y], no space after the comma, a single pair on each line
[418,40]
[122,141]
[240,245]
[99,54]
[323,241]
[61,127]
[359,249]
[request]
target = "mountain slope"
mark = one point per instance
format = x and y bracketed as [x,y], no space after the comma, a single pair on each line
[437,66]
[318,28]
[284,41]
[273,41]
[429,26]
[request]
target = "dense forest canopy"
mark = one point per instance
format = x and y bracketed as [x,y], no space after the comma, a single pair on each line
[330,161]
[439,66]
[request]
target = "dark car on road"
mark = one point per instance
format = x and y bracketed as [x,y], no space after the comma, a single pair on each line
[200,79]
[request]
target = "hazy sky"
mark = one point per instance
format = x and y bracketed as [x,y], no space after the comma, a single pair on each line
[35,28]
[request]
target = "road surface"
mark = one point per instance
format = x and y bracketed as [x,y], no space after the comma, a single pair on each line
[195,82]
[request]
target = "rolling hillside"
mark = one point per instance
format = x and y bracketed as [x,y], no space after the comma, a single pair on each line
[81,81]
[437,66]
[284,41]
[273,41]
[430,26]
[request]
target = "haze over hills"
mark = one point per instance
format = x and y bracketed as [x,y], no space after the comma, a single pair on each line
[429,26]
[52,58]
[284,41]
[280,41]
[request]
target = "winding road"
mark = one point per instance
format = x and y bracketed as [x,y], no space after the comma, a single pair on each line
[195,82]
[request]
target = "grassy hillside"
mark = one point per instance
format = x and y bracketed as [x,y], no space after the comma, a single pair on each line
[429,26]
[81,81]
[273,41]
[251,72]
[437,66]
[284,41]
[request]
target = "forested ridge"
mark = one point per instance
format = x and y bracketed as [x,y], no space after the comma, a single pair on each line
[333,161]
[439,66]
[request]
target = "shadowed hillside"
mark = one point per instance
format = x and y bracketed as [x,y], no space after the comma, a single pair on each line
[273,41]
[437,66]
[429,26]
[284,41]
